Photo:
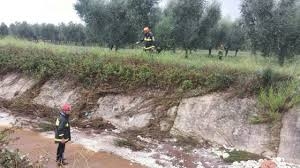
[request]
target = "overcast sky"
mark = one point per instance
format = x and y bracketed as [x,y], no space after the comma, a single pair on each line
[57,11]
[231,8]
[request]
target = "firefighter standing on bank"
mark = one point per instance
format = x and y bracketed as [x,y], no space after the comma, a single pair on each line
[221,51]
[148,40]
[62,133]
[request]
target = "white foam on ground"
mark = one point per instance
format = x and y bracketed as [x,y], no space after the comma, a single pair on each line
[6,120]
[105,143]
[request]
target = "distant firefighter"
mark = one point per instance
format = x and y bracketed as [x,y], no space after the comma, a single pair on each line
[149,41]
[220,51]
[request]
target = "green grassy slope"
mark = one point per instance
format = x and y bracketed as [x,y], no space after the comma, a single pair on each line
[134,68]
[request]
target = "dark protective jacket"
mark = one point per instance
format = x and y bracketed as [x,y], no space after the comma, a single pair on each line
[148,41]
[62,128]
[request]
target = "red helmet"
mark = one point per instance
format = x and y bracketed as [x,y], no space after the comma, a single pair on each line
[66,107]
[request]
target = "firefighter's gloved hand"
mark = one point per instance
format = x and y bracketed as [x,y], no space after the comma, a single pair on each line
[63,140]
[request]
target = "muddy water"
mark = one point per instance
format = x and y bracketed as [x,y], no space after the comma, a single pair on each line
[40,148]
[85,152]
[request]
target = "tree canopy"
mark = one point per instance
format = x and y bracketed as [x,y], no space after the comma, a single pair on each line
[271,26]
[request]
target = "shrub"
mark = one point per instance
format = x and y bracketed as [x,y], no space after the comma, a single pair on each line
[219,81]
[187,84]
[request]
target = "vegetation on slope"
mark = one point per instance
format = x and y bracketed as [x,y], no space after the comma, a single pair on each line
[133,69]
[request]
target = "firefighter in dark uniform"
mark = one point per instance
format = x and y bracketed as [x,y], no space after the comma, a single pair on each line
[221,51]
[148,40]
[62,133]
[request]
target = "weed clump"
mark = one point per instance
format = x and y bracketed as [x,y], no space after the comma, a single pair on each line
[276,100]
[129,143]
[237,156]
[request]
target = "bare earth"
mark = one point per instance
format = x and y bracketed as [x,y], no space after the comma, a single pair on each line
[38,147]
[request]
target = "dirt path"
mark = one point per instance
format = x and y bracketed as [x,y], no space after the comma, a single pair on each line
[35,146]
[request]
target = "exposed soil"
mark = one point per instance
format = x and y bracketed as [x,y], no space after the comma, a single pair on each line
[42,149]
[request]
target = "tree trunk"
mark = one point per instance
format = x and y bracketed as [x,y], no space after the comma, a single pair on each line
[226,52]
[209,51]
[253,50]
[282,54]
[111,47]
[236,52]
[186,53]
[174,50]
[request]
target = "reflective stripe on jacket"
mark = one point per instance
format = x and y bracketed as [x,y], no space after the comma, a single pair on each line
[148,41]
[62,128]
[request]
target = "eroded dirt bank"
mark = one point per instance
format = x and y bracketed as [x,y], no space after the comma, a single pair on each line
[160,125]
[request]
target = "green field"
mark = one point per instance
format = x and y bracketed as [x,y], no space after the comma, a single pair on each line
[244,61]
[133,68]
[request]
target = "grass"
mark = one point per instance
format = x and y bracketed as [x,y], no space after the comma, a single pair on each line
[237,156]
[276,100]
[133,68]
[4,133]
[244,61]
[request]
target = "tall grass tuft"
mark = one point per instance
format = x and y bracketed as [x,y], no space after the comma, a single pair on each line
[277,100]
